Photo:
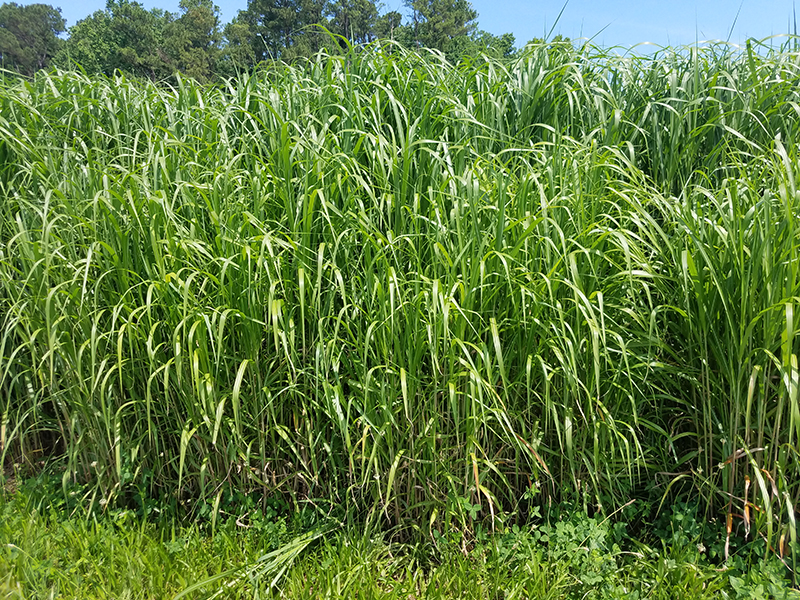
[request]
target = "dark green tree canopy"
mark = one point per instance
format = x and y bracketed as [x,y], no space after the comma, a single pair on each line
[498,46]
[124,36]
[355,20]
[193,39]
[237,52]
[282,29]
[29,36]
[437,23]
[156,44]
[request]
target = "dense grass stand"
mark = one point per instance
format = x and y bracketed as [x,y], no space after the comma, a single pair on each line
[417,297]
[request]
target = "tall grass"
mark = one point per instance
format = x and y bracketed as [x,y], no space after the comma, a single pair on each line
[384,282]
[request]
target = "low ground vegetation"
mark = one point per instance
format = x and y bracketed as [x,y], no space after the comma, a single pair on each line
[48,548]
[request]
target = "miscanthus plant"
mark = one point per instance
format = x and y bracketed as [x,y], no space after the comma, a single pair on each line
[425,293]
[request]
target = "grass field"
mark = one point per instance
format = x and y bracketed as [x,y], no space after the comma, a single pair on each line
[409,296]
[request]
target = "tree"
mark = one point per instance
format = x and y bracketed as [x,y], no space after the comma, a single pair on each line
[387,24]
[237,50]
[354,20]
[498,46]
[124,36]
[29,36]
[89,44]
[481,43]
[559,48]
[193,39]
[437,23]
[390,26]
[282,29]
[558,41]
[271,24]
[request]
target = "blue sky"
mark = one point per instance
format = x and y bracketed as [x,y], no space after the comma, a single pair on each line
[613,22]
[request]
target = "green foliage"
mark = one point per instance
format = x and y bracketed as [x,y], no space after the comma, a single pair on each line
[683,524]
[284,29]
[354,20]
[193,39]
[502,46]
[422,296]
[389,26]
[46,550]
[584,544]
[29,36]
[440,24]
[156,44]
[125,36]
[764,581]
[236,55]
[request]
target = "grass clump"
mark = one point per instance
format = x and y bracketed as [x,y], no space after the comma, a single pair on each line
[47,551]
[418,296]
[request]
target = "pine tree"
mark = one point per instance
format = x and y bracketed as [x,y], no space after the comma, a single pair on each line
[29,36]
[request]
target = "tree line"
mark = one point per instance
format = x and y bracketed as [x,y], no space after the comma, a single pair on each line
[157,43]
